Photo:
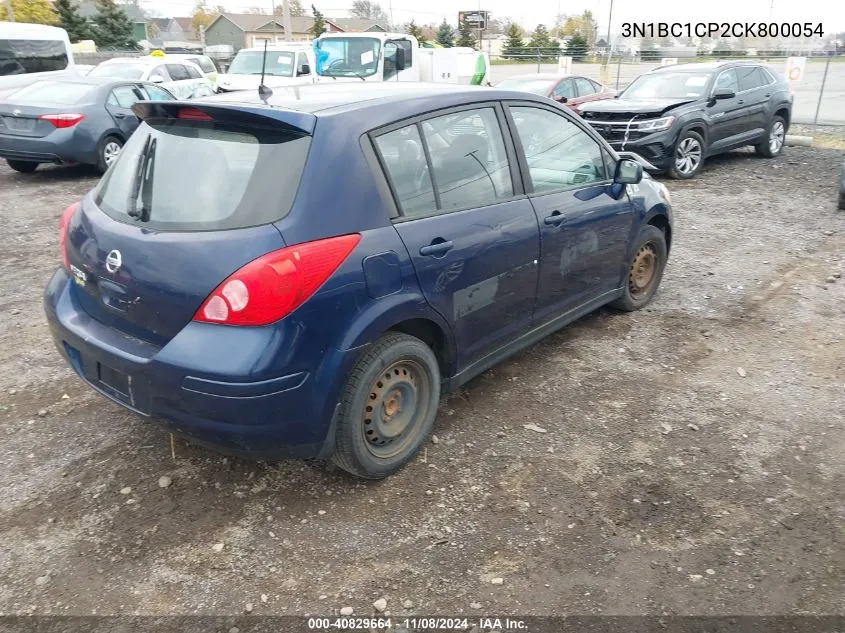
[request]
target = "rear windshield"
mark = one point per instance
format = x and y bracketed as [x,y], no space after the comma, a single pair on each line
[177,175]
[21,57]
[120,71]
[57,92]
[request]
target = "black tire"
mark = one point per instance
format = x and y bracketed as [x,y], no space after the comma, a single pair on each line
[842,201]
[396,370]
[765,148]
[687,143]
[103,149]
[23,166]
[650,245]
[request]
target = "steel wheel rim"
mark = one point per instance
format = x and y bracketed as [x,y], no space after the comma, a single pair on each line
[776,137]
[397,405]
[643,272]
[688,156]
[110,152]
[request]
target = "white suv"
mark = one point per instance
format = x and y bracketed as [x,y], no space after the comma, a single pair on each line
[182,78]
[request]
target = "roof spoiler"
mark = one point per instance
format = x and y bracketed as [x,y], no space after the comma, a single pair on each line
[243,114]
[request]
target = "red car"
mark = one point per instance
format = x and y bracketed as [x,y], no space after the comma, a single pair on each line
[573,90]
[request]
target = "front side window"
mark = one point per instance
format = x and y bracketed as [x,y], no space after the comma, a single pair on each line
[560,155]
[585,87]
[21,57]
[727,81]
[348,56]
[391,50]
[469,163]
[193,73]
[302,65]
[404,159]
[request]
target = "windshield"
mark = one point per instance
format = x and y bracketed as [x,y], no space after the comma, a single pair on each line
[665,85]
[535,86]
[231,173]
[21,57]
[279,64]
[120,71]
[348,56]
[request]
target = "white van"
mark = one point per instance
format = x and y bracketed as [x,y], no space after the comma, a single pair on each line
[30,52]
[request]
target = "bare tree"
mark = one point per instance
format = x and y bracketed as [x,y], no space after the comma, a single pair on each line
[367,10]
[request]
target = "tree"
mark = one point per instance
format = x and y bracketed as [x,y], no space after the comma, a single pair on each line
[584,25]
[412,29]
[540,39]
[445,37]
[466,36]
[367,10]
[31,11]
[112,28]
[71,21]
[203,17]
[514,46]
[319,26]
[576,47]
[294,6]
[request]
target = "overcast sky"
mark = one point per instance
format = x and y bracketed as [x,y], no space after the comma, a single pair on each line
[831,13]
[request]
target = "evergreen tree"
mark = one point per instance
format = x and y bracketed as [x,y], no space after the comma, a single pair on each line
[576,47]
[466,37]
[412,29]
[319,22]
[514,46]
[445,37]
[71,21]
[112,28]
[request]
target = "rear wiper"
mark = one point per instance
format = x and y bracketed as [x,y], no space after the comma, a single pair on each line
[142,179]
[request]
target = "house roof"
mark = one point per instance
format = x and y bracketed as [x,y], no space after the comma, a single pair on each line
[357,24]
[185,23]
[257,22]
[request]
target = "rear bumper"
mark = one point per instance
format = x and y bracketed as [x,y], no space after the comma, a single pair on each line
[290,415]
[58,147]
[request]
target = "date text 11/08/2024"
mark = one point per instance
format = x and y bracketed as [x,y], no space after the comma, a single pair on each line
[722,29]
[416,624]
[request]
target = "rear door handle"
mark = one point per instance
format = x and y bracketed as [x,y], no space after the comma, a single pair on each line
[554,219]
[437,247]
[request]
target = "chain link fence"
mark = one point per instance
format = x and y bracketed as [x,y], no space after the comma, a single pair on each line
[819,96]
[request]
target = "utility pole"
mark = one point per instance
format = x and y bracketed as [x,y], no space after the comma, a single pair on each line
[9,11]
[286,20]
[273,15]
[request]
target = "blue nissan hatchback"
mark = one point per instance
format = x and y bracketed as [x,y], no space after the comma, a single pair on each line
[303,275]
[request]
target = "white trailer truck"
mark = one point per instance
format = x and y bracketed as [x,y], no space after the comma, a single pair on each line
[396,57]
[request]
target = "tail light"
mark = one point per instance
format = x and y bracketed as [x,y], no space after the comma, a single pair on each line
[64,221]
[271,287]
[62,120]
[192,114]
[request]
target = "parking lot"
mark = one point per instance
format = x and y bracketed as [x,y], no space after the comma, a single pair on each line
[686,459]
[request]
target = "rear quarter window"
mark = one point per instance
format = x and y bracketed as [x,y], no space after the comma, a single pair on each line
[177,175]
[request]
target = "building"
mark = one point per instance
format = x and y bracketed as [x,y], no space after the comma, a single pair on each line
[140,21]
[247,30]
[356,25]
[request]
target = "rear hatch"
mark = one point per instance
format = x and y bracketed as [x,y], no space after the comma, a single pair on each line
[191,199]
[38,109]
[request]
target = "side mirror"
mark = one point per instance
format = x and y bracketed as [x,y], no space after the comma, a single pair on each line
[305,69]
[628,172]
[157,79]
[400,58]
[723,93]
[560,99]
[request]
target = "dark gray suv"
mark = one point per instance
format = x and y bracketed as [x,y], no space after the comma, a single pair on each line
[676,116]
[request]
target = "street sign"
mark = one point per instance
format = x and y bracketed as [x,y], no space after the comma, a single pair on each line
[474,19]
[668,61]
[795,69]
[564,65]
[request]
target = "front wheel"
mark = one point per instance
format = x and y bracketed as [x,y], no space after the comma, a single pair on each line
[388,407]
[22,166]
[689,156]
[773,145]
[645,270]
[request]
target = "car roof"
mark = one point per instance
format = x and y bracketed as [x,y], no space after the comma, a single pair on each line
[707,67]
[90,81]
[543,76]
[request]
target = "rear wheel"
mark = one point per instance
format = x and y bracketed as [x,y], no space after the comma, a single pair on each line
[773,145]
[644,271]
[108,150]
[689,156]
[23,166]
[388,407]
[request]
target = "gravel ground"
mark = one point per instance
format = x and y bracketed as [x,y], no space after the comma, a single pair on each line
[687,460]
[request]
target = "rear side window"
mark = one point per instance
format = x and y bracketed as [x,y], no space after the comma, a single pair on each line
[56,92]
[178,72]
[21,57]
[125,96]
[198,176]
